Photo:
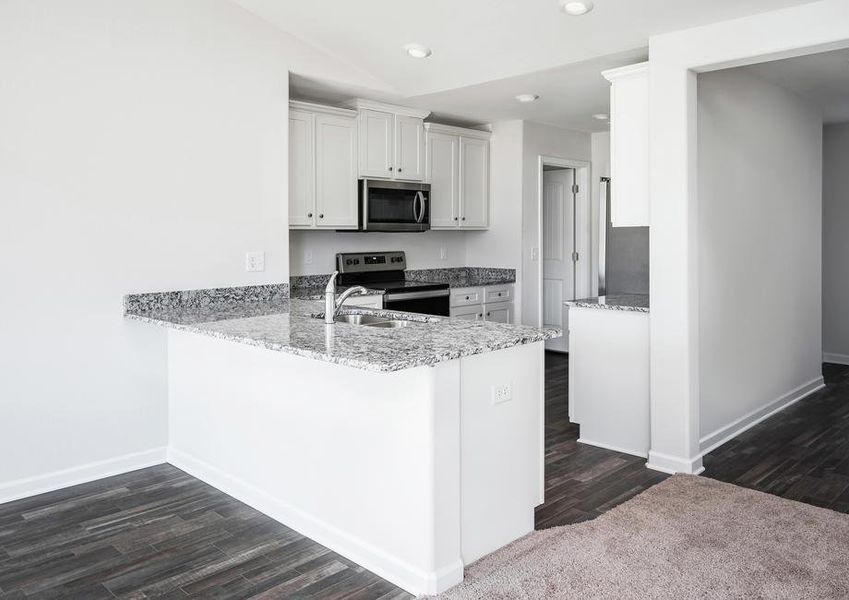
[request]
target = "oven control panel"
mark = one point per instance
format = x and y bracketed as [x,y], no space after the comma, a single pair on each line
[364,262]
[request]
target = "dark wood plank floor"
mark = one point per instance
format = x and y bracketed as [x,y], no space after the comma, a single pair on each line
[159,533]
[801,453]
[581,481]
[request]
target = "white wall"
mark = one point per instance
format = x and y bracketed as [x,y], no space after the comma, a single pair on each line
[423,249]
[540,140]
[143,148]
[835,243]
[501,244]
[759,236]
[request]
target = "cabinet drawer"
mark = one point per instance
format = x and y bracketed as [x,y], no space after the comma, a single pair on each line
[466,296]
[468,313]
[499,294]
[500,312]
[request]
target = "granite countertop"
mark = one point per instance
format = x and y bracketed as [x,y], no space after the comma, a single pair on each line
[311,287]
[623,302]
[288,325]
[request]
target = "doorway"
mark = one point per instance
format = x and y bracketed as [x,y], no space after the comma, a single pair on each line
[565,240]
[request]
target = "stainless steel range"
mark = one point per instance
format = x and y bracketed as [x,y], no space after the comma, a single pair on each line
[385,271]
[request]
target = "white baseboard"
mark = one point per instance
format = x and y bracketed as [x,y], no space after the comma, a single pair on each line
[614,448]
[400,573]
[723,434]
[666,463]
[837,359]
[32,486]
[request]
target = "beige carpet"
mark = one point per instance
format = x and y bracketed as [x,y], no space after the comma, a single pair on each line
[688,537]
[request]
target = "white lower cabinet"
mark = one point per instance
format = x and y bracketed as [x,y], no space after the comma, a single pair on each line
[485,303]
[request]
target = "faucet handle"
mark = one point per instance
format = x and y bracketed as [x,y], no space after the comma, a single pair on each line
[331,285]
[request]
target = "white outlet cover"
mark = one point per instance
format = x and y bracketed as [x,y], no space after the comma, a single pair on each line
[254,261]
[502,393]
[307,257]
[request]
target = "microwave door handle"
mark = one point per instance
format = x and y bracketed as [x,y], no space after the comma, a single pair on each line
[416,208]
[419,201]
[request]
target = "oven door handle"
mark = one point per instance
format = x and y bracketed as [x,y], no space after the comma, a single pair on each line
[416,295]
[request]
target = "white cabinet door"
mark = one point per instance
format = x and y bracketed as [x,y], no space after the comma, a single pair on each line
[474,183]
[301,171]
[499,313]
[409,148]
[376,141]
[629,145]
[336,172]
[468,313]
[443,173]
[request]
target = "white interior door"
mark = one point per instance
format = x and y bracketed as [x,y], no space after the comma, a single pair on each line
[558,244]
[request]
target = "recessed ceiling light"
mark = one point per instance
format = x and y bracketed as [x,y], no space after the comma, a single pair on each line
[601,116]
[527,97]
[417,50]
[576,8]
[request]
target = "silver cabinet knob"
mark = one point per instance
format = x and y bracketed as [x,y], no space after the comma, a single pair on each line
[321,216]
[455,218]
[399,169]
[309,215]
[390,168]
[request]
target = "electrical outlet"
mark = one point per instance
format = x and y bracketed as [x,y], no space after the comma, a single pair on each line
[502,393]
[307,257]
[255,261]
[443,253]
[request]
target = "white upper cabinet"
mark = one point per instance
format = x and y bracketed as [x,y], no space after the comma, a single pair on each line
[457,168]
[322,167]
[376,143]
[409,148]
[443,174]
[301,168]
[474,182]
[336,171]
[391,141]
[629,145]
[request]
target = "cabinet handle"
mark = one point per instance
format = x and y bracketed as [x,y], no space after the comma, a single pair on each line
[399,169]
[390,168]
[464,218]
[309,215]
[320,216]
[467,297]
[456,219]
[489,314]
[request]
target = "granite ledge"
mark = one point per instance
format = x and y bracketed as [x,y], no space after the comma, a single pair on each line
[621,302]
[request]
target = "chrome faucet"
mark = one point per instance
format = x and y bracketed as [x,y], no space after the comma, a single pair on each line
[332,304]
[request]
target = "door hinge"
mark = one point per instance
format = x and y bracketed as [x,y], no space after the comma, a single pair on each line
[575,257]
[575,189]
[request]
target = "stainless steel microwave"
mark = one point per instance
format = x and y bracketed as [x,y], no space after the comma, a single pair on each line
[394,205]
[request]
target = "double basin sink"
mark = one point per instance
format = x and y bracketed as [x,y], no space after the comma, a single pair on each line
[374,321]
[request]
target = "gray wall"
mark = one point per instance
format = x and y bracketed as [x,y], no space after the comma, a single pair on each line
[835,242]
[627,260]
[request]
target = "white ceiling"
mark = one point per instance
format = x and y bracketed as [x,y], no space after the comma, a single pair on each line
[485,52]
[823,79]
[475,41]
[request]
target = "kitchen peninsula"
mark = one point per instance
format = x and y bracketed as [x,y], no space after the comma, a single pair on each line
[411,450]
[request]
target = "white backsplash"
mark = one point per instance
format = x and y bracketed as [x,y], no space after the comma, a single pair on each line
[424,250]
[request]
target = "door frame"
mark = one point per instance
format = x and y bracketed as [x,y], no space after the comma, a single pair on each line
[583,223]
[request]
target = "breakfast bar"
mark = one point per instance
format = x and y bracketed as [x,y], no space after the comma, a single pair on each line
[412,449]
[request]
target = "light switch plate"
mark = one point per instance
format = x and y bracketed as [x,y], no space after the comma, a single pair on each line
[255,261]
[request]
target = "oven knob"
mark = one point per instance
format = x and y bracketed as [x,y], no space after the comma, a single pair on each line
[356,261]
[349,262]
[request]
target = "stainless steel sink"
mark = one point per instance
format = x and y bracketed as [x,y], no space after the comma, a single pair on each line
[360,319]
[373,321]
